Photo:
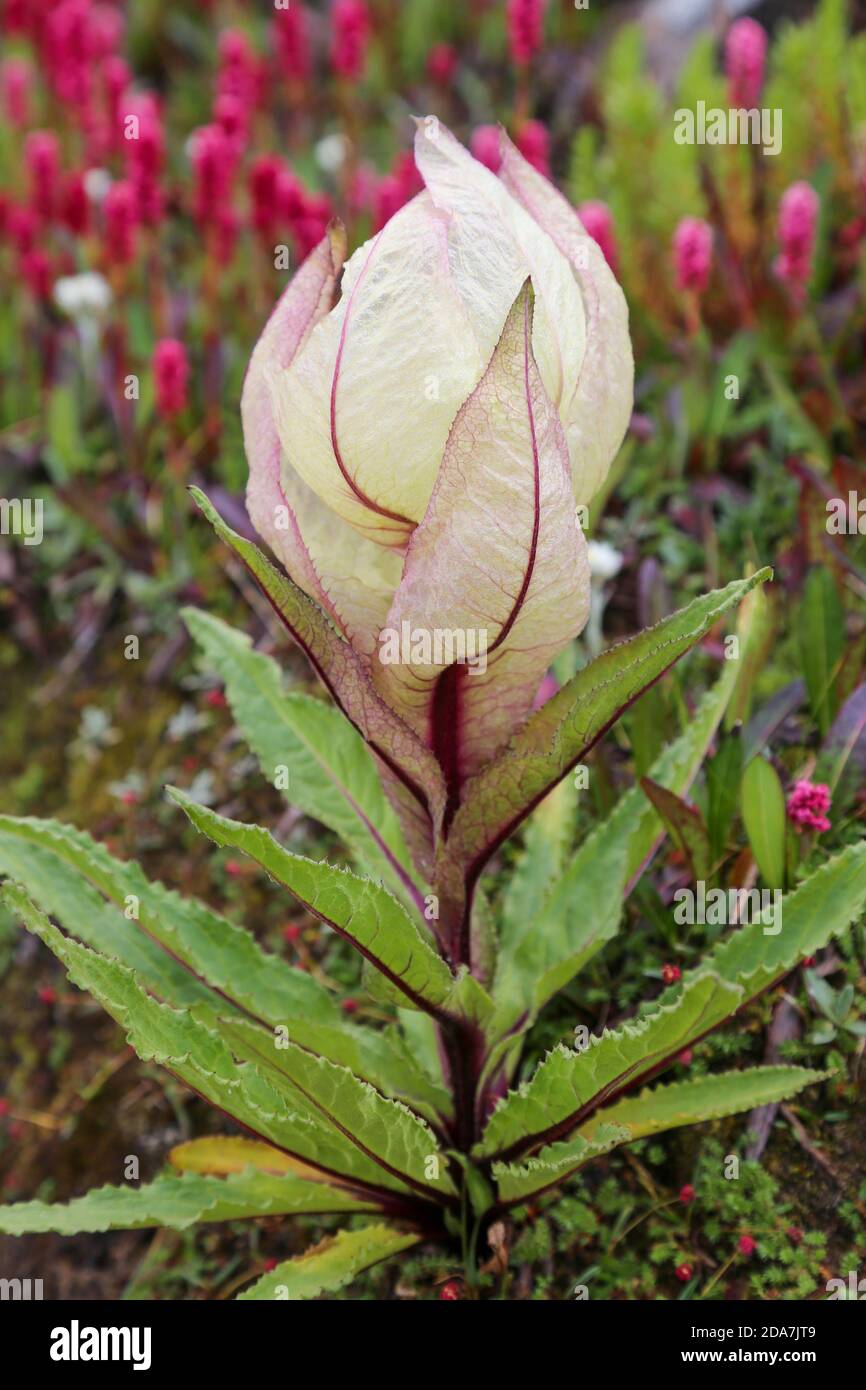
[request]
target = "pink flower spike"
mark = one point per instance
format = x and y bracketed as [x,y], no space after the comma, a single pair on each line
[533,142]
[525,29]
[213,162]
[120,211]
[292,42]
[350,35]
[486,146]
[598,224]
[798,223]
[238,68]
[693,254]
[441,63]
[745,56]
[264,177]
[171,375]
[74,204]
[42,157]
[16,80]
[808,805]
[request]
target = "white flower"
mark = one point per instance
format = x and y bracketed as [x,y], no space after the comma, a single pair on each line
[96,184]
[83,296]
[605,562]
[331,153]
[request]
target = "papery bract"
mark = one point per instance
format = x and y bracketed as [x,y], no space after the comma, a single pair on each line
[418,448]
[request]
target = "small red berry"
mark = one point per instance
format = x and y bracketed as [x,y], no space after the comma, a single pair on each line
[794,1234]
[216,699]
[292,932]
[684,1273]
[685,1057]
[270,1263]
[4,1107]
[808,962]
[129,797]
[233,868]
[450,1291]
[747,1246]
[687,1193]
[47,995]
[349,1006]
[671,973]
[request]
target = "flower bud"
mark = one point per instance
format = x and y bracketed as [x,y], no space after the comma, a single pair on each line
[693,254]
[745,55]
[798,222]
[170,376]
[421,426]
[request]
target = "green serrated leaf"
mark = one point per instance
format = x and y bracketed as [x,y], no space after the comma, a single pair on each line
[332,776]
[515,1182]
[176,946]
[362,911]
[570,1086]
[550,945]
[176,1039]
[557,735]
[660,1108]
[387,1130]
[177,1201]
[332,1264]
[344,674]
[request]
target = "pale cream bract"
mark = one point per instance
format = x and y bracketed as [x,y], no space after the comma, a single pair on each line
[421,424]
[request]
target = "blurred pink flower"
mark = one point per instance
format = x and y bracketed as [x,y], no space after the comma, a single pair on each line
[16,80]
[264,177]
[396,188]
[213,162]
[442,63]
[485,145]
[144,153]
[808,805]
[226,230]
[238,68]
[598,223]
[292,42]
[42,159]
[22,226]
[797,225]
[69,47]
[350,33]
[170,377]
[74,205]
[693,254]
[525,26]
[533,142]
[116,80]
[120,211]
[745,56]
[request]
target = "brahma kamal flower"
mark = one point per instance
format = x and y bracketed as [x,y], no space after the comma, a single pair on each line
[423,424]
